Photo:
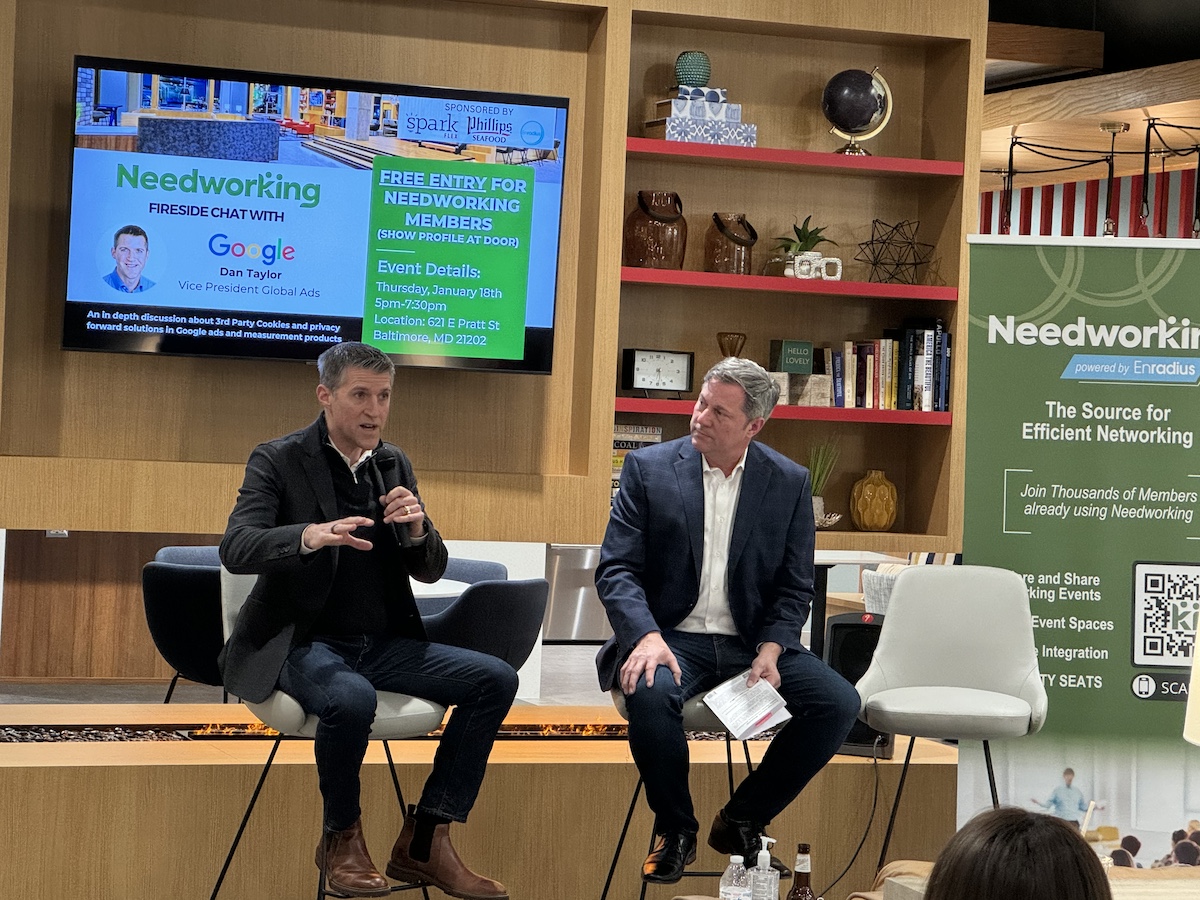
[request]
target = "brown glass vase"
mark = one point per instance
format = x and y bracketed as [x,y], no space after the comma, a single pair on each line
[728,244]
[656,232]
[873,502]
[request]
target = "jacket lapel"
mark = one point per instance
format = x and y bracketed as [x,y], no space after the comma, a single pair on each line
[689,473]
[316,470]
[756,478]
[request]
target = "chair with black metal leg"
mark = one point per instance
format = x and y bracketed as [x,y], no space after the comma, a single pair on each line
[696,717]
[955,659]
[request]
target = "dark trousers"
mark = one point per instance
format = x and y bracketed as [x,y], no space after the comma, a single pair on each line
[336,679]
[822,703]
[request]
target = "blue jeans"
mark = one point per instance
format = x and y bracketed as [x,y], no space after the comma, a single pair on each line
[336,679]
[822,703]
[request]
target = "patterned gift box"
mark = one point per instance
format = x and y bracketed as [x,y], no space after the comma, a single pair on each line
[704,131]
[711,94]
[698,109]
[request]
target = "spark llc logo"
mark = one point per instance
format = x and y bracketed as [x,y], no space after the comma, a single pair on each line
[1144,686]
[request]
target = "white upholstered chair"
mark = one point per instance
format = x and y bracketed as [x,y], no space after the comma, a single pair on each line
[397,717]
[955,659]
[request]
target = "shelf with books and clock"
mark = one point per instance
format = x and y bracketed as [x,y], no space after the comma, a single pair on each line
[894,217]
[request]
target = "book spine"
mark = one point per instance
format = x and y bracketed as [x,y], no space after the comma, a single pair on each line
[928,363]
[622,444]
[828,353]
[850,366]
[944,383]
[877,373]
[895,376]
[862,385]
[623,430]
[839,378]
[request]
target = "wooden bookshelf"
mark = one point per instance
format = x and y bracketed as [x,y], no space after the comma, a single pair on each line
[795,413]
[776,284]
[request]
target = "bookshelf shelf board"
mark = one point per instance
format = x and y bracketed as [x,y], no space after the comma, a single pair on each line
[779,284]
[805,413]
[806,160]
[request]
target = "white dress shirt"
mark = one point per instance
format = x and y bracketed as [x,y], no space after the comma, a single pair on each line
[711,614]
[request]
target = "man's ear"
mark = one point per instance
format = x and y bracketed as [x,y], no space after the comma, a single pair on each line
[323,395]
[756,425]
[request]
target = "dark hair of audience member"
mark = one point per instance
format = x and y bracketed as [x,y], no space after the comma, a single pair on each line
[1010,852]
[1122,857]
[1194,837]
[1187,853]
[1131,845]
[1177,836]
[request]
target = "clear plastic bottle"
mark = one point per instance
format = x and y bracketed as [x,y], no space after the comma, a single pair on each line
[735,883]
[764,881]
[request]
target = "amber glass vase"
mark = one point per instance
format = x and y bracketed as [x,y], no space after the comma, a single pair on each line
[728,244]
[873,502]
[656,232]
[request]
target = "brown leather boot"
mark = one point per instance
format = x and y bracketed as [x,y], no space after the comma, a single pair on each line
[348,866]
[444,870]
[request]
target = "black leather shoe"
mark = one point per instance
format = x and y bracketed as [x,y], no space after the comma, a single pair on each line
[671,853]
[729,836]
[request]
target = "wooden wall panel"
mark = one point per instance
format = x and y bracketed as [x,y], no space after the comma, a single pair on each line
[73,606]
[84,406]
[147,830]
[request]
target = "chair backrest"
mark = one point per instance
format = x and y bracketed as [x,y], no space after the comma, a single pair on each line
[503,618]
[183,613]
[234,591]
[473,570]
[958,626]
[203,555]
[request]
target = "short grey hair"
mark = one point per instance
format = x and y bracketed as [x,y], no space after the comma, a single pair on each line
[333,364]
[762,392]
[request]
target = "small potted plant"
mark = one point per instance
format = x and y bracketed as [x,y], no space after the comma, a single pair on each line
[822,460]
[804,240]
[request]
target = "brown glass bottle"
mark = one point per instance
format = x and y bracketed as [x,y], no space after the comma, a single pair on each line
[801,888]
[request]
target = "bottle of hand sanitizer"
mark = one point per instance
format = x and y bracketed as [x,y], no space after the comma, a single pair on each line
[764,881]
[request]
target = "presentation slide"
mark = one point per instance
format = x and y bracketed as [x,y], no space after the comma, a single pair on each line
[425,225]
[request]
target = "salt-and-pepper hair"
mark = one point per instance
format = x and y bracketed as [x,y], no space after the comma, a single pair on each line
[333,364]
[762,392]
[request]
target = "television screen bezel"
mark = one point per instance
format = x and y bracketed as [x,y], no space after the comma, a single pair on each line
[539,341]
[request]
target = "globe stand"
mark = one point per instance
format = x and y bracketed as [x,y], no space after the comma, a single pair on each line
[852,148]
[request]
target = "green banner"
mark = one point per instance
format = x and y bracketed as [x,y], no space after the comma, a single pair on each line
[448,258]
[1082,472]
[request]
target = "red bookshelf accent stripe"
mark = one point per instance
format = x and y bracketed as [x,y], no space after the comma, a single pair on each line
[687,278]
[648,148]
[807,413]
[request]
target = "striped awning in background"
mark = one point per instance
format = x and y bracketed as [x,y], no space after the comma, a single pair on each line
[1077,208]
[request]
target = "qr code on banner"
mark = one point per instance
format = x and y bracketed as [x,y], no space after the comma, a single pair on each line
[1166,601]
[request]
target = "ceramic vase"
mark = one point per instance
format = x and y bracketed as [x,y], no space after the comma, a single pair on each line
[818,507]
[873,502]
[692,67]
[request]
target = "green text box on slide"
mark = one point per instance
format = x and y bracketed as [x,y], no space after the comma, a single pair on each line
[448,258]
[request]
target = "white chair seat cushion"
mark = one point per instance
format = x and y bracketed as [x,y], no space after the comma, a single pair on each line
[397,716]
[948,712]
[696,714]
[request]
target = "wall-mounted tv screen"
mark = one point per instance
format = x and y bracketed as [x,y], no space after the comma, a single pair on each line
[219,212]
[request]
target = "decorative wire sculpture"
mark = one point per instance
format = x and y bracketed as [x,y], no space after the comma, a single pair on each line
[894,253]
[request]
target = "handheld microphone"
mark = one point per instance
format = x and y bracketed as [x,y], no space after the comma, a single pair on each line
[385,471]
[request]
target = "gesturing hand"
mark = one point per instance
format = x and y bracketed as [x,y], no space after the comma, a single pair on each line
[650,653]
[338,533]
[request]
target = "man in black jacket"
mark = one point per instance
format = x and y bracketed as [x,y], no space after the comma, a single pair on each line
[330,520]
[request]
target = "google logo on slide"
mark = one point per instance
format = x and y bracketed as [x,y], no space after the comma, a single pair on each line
[218,245]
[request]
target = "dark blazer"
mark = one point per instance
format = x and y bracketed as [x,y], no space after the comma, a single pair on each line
[649,571]
[288,485]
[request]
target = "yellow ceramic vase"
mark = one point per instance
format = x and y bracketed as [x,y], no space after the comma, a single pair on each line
[873,502]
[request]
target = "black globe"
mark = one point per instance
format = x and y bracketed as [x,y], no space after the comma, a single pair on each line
[853,101]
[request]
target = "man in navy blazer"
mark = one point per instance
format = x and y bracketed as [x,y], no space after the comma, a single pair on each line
[707,571]
[330,520]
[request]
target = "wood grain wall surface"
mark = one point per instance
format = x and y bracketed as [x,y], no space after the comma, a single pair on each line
[130,451]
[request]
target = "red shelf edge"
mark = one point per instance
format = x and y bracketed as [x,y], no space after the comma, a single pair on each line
[797,158]
[804,413]
[779,284]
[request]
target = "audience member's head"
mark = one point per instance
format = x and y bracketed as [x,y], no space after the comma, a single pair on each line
[1177,836]
[1194,837]
[1131,845]
[1009,852]
[1122,857]
[1186,853]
